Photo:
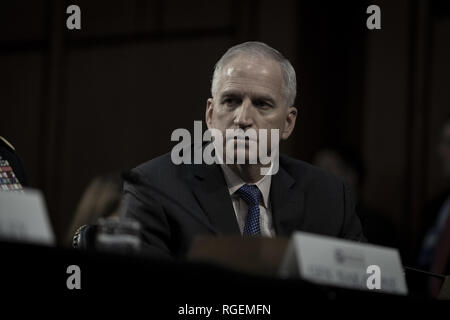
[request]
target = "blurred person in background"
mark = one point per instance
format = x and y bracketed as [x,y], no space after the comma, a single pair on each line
[347,164]
[101,199]
[434,253]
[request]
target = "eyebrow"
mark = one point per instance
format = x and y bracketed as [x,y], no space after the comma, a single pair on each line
[230,93]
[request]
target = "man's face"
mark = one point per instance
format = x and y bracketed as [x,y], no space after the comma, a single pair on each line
[444,149]
[250,95]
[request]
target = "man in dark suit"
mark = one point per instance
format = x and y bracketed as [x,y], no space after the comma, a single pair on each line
[253,88]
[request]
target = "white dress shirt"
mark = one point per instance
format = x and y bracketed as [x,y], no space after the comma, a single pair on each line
[234,182]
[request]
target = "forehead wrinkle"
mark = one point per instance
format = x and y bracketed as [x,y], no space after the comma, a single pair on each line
[249,83]
[257,91]
[251,70]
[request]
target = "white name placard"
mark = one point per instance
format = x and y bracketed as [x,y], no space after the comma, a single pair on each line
[343,263]
[24,218]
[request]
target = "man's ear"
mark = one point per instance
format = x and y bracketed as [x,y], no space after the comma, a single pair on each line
[289,124]
[209,112]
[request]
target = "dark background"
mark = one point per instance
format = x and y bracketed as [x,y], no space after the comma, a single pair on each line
[80,103]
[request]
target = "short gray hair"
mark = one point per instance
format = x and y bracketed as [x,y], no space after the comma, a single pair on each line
[262,50]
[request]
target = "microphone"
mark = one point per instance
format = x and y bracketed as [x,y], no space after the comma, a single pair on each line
[427,273]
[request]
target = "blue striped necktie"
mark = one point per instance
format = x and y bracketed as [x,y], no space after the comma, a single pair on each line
[251,195]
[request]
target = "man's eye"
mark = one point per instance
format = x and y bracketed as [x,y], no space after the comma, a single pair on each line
[262,104]
[231,101]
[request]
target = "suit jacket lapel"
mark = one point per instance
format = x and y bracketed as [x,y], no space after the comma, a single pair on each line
[287,203]
[211,191]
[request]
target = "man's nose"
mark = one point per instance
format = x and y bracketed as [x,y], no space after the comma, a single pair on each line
[244,115]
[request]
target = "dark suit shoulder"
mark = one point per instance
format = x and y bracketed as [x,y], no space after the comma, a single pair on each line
[155,164]
[157,170]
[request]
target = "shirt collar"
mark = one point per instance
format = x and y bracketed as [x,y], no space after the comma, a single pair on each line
[234,182]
